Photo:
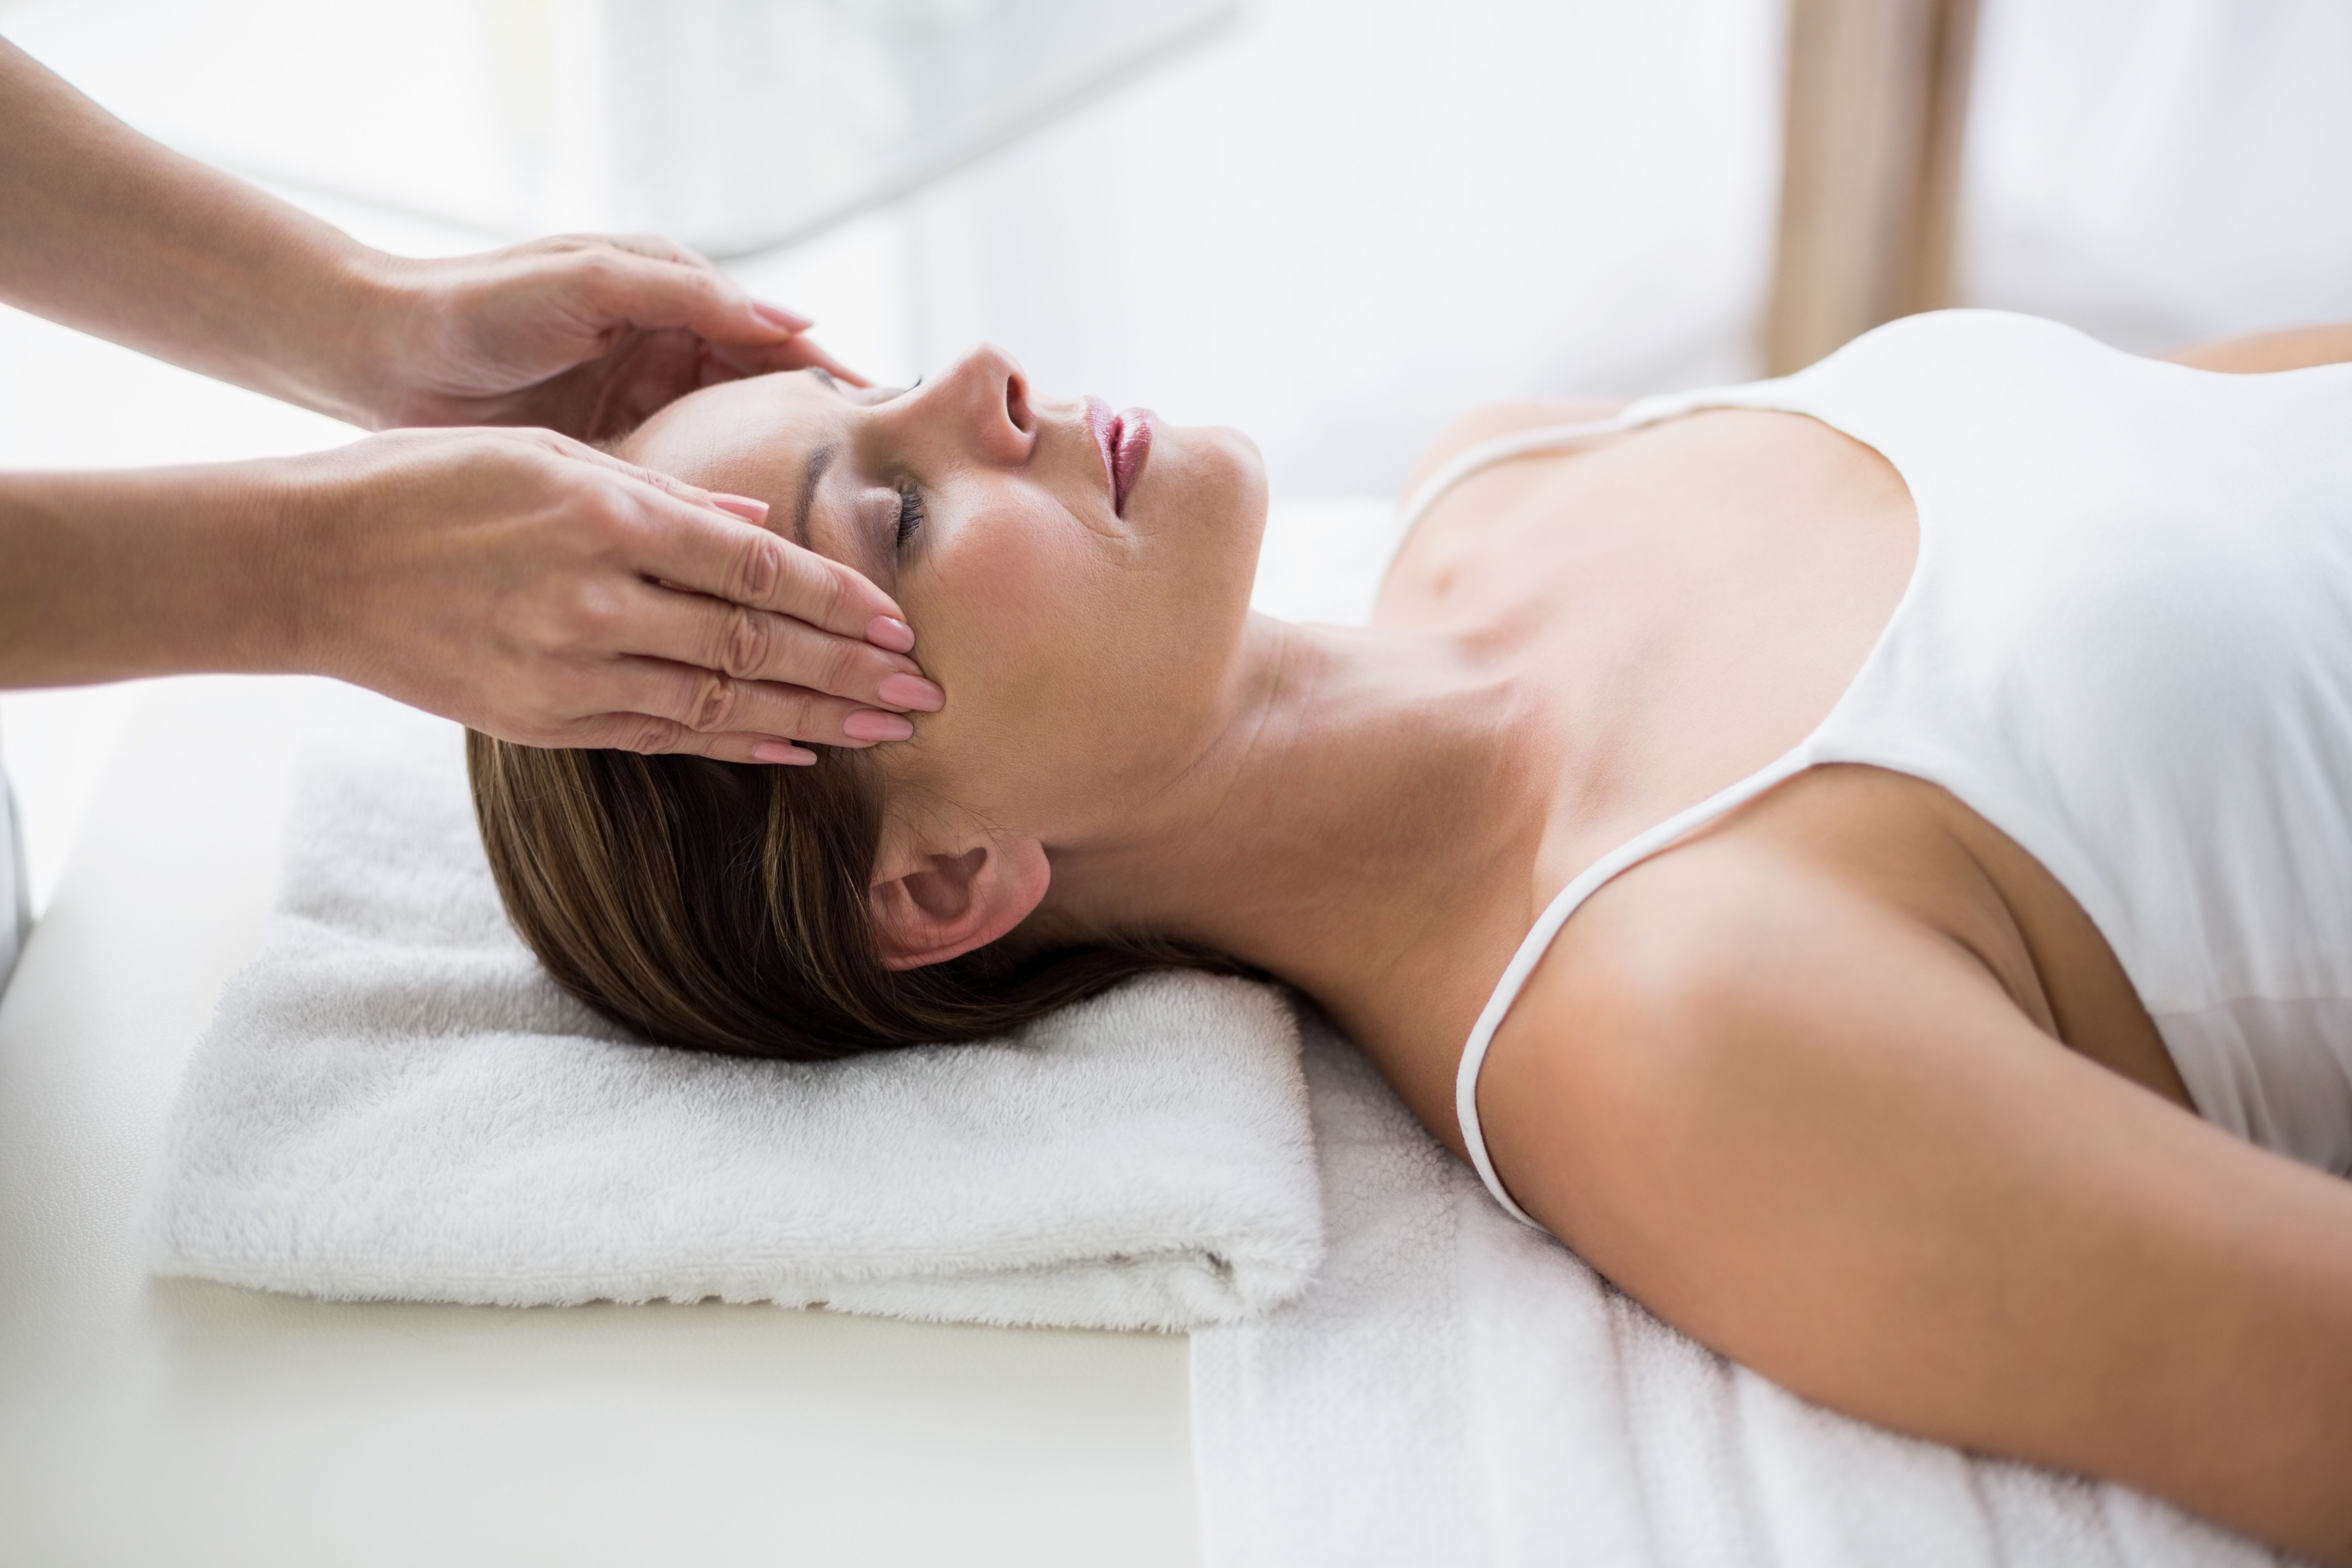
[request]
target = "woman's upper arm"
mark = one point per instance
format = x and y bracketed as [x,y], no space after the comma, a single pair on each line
[2294,349]
[1821,1139]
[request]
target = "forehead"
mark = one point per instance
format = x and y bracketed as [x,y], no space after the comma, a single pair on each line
[749,437]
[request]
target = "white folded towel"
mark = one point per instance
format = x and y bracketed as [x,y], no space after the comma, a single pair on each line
[1458,1389]
[394,1102]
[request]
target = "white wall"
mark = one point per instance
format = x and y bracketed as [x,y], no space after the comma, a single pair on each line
[2159,172]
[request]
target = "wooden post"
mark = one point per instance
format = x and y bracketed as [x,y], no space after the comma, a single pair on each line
[1878,106]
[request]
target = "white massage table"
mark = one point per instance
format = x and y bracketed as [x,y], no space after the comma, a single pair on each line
[173,1422]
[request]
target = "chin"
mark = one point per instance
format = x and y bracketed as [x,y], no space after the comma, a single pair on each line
[1218,482]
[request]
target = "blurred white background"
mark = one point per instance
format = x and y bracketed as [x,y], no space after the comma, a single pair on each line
[1334,223]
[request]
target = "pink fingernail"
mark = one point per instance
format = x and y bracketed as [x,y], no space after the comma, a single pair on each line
[782,751]
[777,316]
[889,632]
[873,724]
[744,507]
[911,691]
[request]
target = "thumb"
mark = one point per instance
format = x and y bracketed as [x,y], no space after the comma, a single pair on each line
[749,508]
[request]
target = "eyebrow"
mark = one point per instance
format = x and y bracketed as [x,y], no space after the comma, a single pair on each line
[818,461]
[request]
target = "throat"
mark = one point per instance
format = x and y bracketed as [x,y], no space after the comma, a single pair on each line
[1369,805]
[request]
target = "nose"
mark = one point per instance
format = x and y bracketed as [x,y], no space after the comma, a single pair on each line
[985,398]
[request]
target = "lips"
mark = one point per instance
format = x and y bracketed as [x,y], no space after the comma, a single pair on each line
[1125,442]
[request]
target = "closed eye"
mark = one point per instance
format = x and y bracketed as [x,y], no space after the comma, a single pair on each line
[910,512]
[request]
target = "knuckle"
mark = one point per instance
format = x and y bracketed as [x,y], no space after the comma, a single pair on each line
[839,666]
[592,615]
[829,596]
[602,731]
[750,639]
[599,265]
[596,516]
[758,567]
[651,737]
[715,701]
[808,713]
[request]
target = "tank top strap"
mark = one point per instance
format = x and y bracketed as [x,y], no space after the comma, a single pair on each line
[1539,940]
[1460,465]
[1501,449]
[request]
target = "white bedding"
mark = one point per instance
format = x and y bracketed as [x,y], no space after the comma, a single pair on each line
[1458,1389]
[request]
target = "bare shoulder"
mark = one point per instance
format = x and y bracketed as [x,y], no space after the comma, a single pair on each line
[1699,1012]
[1504,419]
[1711,964]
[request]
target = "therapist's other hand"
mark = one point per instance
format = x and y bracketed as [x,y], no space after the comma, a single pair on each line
[584,334]
[545,592]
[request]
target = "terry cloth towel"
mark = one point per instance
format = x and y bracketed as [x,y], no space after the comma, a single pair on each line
[1455,1388]
[393,1103]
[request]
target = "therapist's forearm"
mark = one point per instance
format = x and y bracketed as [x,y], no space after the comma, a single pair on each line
[106,576]
[118,236]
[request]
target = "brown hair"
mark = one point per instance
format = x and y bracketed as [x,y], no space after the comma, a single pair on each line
[724,908]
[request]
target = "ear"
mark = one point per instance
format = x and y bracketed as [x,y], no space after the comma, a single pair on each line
[930,905]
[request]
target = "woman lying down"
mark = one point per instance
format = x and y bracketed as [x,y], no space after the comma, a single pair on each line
[1885,836]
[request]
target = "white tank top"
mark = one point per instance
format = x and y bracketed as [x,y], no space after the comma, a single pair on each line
[2126,644]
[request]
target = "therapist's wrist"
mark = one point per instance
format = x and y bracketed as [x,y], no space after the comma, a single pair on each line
[303,527]
[365,305]
[237,564]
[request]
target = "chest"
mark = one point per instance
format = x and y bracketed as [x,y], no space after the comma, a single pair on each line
[1664,615]
[1672,611]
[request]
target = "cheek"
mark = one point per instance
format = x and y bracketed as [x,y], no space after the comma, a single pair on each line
[1010,609]
[1210,543]
[1073,659]
[1056,651]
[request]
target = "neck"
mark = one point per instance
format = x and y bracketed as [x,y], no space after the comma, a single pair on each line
[1362,813]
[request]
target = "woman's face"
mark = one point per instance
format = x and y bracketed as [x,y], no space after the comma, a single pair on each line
[1077,581]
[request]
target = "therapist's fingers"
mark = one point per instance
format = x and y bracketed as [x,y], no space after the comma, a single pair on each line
[650,735]
[643,281]
[753,566]
[763,571]
[749,508]
[651,282]
[517,582]
[726,717]
[731,361]
[774,651]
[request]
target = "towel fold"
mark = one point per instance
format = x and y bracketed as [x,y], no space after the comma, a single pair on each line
[394,1102]
[1457,1388]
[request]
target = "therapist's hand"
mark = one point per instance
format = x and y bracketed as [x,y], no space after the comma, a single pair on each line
[542,592]
[582,334]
